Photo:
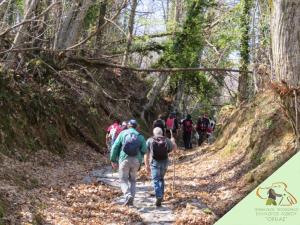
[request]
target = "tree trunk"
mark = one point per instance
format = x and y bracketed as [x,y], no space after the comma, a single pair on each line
[130,31]
[285,24]
[21,36]
[286,40]
[3,8]
[71,26]
[243,88]
[58,19]
[178,11]
[154,92]
[178,96]
[101,21]
[39,28]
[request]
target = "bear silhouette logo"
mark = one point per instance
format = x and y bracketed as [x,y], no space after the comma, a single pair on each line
[277,194]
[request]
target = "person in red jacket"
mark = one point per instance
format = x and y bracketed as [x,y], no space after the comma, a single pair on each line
[111,133]
[171,125]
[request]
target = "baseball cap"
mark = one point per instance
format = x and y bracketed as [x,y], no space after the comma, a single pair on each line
[132,123]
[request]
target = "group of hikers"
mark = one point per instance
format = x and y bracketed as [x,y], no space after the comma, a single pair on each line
[128,149]
[203,128]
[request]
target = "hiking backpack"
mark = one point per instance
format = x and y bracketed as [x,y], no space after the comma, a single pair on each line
[202,124]
[131,144]
[188,126]
[113,132]
[170,123]
[211,126]
[160,148]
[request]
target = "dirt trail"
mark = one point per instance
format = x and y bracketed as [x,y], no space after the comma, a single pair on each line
[49,190]
[143,203]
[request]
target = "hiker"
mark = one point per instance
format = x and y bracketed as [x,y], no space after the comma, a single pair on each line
[210,130]
[156,161]
[171,125]
[127,153]
[122,127]
[110,133]
[160,123]
[187,129]
[202,128]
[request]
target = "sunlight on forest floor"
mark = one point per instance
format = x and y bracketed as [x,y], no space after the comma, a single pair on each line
[208,180]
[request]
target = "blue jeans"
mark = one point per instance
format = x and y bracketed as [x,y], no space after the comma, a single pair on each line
[158,171]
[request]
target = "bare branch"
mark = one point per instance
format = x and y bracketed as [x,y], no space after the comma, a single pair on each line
[113,22]
[34,19]
[100,28]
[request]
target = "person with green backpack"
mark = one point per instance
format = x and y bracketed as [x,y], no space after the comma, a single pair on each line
[127,154]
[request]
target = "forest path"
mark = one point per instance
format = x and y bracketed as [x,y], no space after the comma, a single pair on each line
[143,202]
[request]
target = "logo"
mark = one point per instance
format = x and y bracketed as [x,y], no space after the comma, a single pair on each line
[277,195]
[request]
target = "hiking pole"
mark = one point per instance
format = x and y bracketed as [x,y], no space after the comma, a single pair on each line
[173,184]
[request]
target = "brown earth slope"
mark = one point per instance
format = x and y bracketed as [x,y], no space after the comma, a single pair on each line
[46,115]
[254,141]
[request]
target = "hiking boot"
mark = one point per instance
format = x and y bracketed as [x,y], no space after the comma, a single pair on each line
[129,201]
[152,194]
[158,202]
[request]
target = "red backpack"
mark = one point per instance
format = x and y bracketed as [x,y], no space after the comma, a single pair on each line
[118,131]
[170,123]
[188,126]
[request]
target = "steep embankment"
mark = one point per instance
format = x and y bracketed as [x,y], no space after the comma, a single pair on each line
[43,108]
[52,121]
[255,139]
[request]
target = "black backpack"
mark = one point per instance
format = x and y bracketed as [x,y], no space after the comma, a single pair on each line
[160,148]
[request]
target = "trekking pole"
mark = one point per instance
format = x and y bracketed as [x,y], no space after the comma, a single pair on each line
[173,184]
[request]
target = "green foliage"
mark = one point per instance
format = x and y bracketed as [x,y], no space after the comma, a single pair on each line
[2,212]
[185,50]
[91,16]
[225,38]
[245,28]
[264,25]
[20,5]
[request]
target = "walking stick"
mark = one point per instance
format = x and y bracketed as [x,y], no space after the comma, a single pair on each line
[173,184]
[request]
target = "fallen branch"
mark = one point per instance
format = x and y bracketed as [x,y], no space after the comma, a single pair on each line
[136,38]
[92,62]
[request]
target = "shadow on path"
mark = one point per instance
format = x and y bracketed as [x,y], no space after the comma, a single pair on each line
[143,202]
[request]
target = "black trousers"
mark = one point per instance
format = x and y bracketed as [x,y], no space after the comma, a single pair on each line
[187,140]
[202,137]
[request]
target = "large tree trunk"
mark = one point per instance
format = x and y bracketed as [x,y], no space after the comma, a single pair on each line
[286,40]
[286,55]
[130,31]
[71,26]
